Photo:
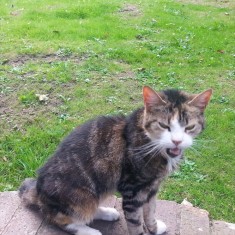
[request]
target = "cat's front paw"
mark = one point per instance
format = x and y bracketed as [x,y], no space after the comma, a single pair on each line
[161,227]
[107,213]
[157,228]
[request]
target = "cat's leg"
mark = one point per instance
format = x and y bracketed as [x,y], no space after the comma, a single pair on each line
[154,226]
[106,213]
[133,212]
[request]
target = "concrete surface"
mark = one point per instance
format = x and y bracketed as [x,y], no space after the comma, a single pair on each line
[15,219]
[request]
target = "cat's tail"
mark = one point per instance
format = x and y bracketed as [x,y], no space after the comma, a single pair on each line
[28,194]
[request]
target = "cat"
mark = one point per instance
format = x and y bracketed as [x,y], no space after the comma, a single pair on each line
[129,154]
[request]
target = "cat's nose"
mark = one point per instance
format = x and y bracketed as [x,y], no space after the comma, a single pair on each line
[177,142]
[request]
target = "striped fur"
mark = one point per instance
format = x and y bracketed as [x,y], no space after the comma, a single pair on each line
[131,155]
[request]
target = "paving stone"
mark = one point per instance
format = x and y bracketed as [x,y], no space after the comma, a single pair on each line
[194,221]
[9,203]
[169,213]
[49,229]
[222,228]
[15,219]
[24,221]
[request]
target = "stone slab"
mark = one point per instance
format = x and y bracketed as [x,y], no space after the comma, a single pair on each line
[194,221]
[169,213]
[222,228]
[180,219]
[9,203]
[49,229]
[24,221]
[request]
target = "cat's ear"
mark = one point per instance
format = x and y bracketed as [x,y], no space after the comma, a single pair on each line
[201,100]
[151,98]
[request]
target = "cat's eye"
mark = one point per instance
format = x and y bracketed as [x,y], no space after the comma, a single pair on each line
[164,126]
[189,128]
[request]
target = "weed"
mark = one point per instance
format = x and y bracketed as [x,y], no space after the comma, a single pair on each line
[223,100]
[28,97]
[188,170]
[231,75]
[64,52]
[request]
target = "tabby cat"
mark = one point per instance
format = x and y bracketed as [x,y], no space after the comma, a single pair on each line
[130,154]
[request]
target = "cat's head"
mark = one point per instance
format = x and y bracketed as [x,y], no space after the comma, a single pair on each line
[172,118]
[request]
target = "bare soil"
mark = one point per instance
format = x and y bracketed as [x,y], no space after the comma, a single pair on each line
[130,10]
[16,115]
[49,58]
[13,113]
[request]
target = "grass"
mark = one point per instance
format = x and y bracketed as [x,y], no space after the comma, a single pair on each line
[93,57]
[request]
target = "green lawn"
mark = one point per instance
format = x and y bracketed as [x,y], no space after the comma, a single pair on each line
[93,57]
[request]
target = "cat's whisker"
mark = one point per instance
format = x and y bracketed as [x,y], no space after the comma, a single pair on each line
[153,150]
[147,146]
[147,150]
[151,157]
[149,160]
[165,155]
[157,152]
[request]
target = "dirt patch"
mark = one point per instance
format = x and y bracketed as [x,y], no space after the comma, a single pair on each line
[130,10]
[49,58]
[15,114]
[125,75]
[20,106]
[5,109]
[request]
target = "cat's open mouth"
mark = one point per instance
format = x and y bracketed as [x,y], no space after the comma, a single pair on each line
[174,152]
